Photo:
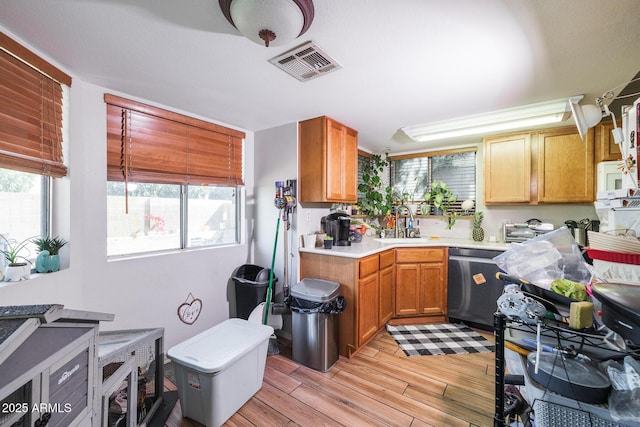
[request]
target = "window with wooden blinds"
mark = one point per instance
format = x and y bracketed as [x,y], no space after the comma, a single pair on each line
[148,144]
[30,111]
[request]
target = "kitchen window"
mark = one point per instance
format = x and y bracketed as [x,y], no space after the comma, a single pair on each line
[32,98]
[413,174]
[173,181]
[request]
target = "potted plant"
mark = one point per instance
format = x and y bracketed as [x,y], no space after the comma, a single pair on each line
[328,242]
[19,266]
[440,197]
[48,259]
[376,197]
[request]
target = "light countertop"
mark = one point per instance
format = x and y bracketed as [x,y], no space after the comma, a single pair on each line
[369,246]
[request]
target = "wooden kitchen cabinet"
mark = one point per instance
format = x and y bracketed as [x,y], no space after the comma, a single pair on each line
[421,282]
[328,161]
[546,166]
[367,285]
[368,293]
[507,169]
[606,148]
[565,166]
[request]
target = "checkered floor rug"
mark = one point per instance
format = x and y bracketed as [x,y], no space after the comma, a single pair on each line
[425,340]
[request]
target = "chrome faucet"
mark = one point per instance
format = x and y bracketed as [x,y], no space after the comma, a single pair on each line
[403,210]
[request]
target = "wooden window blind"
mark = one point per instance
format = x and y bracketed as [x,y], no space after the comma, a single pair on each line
[30,111]
[149,144]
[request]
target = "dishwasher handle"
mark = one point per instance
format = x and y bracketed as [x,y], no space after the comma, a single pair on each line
[469,259]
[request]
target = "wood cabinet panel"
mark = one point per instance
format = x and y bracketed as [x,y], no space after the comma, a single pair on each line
[407,289]
[368,266]
[565,166]
[367,308]
[327,161]
[507,169]
[605,146]
[404,255]
[387,259]
[335,164]
[386,300]
[433,295]
[350,165]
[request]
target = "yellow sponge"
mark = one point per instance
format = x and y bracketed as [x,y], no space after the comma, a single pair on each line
[580,315]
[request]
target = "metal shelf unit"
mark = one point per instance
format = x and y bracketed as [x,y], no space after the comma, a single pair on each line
[553,405]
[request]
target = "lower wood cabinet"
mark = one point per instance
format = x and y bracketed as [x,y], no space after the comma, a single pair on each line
[368,286]
[376,294]
[421,282]
[368,290]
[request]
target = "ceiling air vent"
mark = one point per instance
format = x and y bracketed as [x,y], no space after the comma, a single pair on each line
[305,62]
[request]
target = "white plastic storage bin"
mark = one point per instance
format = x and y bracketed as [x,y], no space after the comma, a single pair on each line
[220,369]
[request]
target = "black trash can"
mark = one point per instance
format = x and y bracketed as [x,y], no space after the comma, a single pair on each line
[315,306]
[251,283]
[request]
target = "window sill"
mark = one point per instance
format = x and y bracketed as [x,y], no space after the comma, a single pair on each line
[33,276]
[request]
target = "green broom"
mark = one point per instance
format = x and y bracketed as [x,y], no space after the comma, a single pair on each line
[273,342]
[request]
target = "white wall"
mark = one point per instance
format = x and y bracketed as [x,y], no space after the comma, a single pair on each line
[142,292]
[276,154]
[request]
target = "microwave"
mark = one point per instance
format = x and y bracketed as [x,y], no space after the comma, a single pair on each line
[609,176]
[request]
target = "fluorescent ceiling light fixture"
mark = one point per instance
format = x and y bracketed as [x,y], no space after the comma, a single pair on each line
[529,115]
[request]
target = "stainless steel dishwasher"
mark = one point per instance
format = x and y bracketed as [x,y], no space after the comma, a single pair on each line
[473,286]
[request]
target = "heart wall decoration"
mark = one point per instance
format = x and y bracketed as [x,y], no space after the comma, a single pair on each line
[189,310]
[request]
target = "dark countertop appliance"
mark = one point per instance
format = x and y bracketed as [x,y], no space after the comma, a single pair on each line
[337,225]
[473,286]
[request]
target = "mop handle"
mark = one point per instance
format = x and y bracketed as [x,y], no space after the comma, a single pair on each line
[267,306]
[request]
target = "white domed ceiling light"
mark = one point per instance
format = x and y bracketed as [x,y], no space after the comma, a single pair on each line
[269,22]
[587,116]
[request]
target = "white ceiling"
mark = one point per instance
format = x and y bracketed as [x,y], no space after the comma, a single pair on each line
[405,62]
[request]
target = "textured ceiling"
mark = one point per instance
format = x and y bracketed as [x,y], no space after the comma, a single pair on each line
[405,62]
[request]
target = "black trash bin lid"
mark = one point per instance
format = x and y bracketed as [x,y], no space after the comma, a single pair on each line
[316,290]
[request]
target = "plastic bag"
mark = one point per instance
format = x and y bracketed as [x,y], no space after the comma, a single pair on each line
[624,398]
[335,306]
[543,259]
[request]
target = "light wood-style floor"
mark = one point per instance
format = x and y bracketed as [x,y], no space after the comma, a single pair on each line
[380,386]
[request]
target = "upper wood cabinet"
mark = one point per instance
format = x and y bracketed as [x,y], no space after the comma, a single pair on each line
[547,166]
[507,169]
[327,161]
[565,166]
[606,148]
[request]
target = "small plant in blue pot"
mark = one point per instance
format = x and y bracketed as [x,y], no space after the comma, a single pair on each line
[48,259]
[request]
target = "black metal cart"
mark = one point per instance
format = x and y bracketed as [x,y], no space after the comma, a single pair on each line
[558,335]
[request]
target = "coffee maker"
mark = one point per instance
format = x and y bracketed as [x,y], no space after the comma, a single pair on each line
[337,225]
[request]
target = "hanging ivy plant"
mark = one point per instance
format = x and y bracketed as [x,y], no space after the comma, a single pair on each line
[375,196]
